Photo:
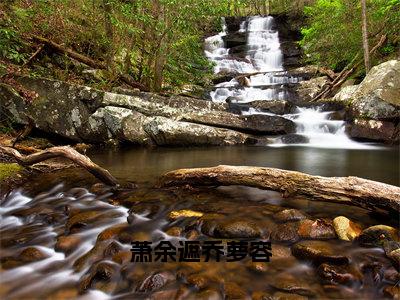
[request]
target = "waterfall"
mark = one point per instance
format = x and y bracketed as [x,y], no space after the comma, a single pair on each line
[264,78]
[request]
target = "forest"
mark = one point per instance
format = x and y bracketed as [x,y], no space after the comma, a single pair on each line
[202,149]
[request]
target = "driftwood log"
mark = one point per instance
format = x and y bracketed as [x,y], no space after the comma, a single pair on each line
[65,152]
[364,193]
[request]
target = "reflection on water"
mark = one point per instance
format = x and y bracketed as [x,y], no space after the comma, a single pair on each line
[146,164]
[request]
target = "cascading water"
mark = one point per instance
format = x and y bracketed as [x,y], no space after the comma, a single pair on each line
[260,75]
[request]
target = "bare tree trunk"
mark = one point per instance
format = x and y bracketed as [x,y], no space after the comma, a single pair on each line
[109,31]
[65,152]
[364,193]
[365,35]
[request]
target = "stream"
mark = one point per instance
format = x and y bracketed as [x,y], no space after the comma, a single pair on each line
[64,236]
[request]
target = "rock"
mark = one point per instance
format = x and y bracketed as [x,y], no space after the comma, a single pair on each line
[395,256]
[165,131]
[235,39]
[295,285]
[286,233]
[288,215]
[234,291]
[184,213]
[373,130]
[279,107]
[267,124]
[67,243]
[318,252]
[294,139]
[80,220]
[257,267]
[332,274]
[392,292]
[237,229]
[174,231]
[198,281]
[155,282]
[306,90]
[346,93]
[279,251]
[286,296]
[318,229]
[345,229]
[102,272]
[31,254]
[377,235]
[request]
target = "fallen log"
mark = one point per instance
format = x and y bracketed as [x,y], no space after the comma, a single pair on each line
[65,152]
[356,191]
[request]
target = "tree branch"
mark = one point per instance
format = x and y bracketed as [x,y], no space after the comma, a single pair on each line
[65,152]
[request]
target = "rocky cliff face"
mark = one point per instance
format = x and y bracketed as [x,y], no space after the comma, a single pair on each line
[84,114]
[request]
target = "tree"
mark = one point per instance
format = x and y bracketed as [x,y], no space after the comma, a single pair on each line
[365,35]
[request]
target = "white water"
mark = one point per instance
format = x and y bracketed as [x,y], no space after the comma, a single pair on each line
[264,57]
[36,278]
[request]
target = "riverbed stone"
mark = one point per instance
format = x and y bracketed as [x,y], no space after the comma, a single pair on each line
[233,291]
[318,229]
[334,274]
[392,292]
[376,235]
[288,283]
[155,282]
[294,138]
[318,252]
[31,254]
[237,229]
[279,107]
[288,215]
[287,232]
[346,229]
[67,243]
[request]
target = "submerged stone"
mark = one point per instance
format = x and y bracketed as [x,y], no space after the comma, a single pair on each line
[345,229]
[318,252]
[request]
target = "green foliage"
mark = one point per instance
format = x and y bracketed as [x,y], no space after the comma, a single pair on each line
[11,45]
[8,170]
[333,36]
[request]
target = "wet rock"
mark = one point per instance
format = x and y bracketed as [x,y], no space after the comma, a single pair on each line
[63,294]
[280,251]
[80,220]
[279,107]
[288,215]
[345,229]
[192,235]
[332,274]
[112,232]
[294,139]
[318,252]
[164,131]
[392,292]
[258,267]
[237,229]
[155,282]
[318,229]
[112,249]
[67,243]
[392,275]
[122,257]
[234,291]
[208,294]
[31,254]
[288,283]
[373,130]
[308,89]
[199,281]
[395,257]
[376,235]
[185,213]
[235,39]
[174,231]
[285,233]
[98,276]
[286,296]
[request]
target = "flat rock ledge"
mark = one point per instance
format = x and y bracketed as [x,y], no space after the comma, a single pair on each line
[84,114]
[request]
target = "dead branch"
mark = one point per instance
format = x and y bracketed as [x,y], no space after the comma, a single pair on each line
[65,152]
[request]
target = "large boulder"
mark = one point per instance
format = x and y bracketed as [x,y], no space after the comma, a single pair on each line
[374,111]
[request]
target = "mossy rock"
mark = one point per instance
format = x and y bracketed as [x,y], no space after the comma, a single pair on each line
[8,170]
